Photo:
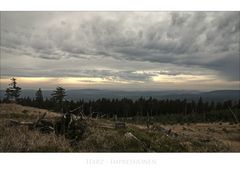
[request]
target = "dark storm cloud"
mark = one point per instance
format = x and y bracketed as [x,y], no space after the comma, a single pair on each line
[229,67]
[206,40]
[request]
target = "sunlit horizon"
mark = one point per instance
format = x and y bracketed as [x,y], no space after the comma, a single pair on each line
[108,84]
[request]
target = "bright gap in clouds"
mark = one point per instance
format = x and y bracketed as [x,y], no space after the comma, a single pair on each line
[158,82]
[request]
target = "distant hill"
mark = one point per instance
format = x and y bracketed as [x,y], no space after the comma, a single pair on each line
[93,94]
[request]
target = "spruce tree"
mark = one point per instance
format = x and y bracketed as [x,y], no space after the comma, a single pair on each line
[13,91]
[39,97]
[58,97]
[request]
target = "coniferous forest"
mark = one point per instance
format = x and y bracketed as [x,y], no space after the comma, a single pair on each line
[166,111]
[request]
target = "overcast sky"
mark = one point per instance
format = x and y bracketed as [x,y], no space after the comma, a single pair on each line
[121,50]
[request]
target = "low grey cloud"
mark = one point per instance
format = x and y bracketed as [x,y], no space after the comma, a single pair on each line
[117,44]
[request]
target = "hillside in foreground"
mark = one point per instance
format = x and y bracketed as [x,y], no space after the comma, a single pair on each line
[101,135]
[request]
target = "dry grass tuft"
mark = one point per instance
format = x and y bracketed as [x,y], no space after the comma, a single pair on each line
[20,139]
[7,108]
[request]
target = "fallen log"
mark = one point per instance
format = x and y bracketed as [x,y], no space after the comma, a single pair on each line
[106,126]
[36,123]
[40,124]
[47,129]
[15,122]
[129,135]
[71,126]
[161,129]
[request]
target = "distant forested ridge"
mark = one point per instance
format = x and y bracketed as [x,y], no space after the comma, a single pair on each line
[95,94]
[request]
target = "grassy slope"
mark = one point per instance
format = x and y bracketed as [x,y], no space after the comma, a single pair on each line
[101,137]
